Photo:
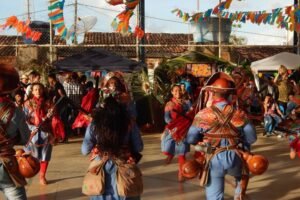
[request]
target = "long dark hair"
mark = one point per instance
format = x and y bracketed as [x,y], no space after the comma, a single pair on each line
[111,125]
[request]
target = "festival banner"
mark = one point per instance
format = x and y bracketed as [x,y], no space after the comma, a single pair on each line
[285,18]
[22,27]
[121,22]
[56,16]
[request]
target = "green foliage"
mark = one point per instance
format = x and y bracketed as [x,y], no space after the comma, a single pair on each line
[236,40]
[138,78]
[167,72]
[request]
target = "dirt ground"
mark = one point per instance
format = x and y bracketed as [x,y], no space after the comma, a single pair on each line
[67,168]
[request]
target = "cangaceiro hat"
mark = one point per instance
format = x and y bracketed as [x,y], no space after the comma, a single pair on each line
[9,78]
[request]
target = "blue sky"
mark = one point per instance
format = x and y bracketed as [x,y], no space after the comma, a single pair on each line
[156,9]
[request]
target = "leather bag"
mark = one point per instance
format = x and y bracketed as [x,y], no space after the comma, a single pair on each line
[94,180]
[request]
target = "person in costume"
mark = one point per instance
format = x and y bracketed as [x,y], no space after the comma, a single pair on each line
[114,85]
[174,109]
[218,131]
[13,131]
[38,113]
[57,91]
[88,104]
[111,133]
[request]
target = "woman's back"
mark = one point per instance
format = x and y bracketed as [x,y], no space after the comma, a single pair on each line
[111,133]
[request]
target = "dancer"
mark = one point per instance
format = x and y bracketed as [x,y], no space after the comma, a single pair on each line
[219,130]
[111,133]
[38,113]
[13,126]
[175,108]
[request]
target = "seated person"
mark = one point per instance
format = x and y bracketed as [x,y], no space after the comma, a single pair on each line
[272,116]
[292,107]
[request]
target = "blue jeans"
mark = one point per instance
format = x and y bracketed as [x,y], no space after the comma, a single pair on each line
[290,107]
[282,107]
[224,163]
[14,193]
[271,122]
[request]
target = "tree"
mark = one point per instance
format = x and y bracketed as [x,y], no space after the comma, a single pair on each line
[236,40]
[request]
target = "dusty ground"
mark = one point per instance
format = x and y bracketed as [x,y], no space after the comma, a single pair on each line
[66,170]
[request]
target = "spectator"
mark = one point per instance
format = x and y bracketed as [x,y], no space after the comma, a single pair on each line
[271,88]
[19,96]
[272,115]
[24,82]
[34,77]
[281,80]
[73,89]
[292,105]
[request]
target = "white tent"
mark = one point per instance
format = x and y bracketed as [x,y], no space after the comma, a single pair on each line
[289,60]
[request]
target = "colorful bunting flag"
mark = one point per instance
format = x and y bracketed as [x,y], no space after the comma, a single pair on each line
[56,16]
[286,18]
[22,27]
[121,22]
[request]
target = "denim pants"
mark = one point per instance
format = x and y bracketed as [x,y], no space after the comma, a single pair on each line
[14,193]
[290,107]
[282,107]
[271,122]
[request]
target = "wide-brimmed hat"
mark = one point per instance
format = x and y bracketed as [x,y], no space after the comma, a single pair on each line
[24,76]
[117,75]
[9,78]
[220,82]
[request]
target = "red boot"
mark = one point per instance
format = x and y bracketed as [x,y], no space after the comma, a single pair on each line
[181,161]
[44,166]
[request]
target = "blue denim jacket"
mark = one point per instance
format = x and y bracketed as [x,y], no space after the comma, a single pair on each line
[90,142]
[226,159]
[17,127]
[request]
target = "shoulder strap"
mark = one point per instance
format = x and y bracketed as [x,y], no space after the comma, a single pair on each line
[6,113]
[223,125]
[6,143]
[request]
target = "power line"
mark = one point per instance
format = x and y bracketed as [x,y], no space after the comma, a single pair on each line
[180,22]
[117,11]
[39,11]
[150,17]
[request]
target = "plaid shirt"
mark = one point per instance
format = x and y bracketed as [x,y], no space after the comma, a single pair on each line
[73,91]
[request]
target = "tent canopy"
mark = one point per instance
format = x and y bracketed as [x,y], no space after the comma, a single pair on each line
[96,60]
[289,60]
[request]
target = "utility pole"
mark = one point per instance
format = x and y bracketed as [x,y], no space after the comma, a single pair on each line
[198,5]
[51,41]
[220,36]
[28,9]
[296,35]
[75,21]
[141,24]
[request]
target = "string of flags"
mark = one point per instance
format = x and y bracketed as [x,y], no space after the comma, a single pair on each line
[56,16]
[22,27]
[285,18]
[121,22]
